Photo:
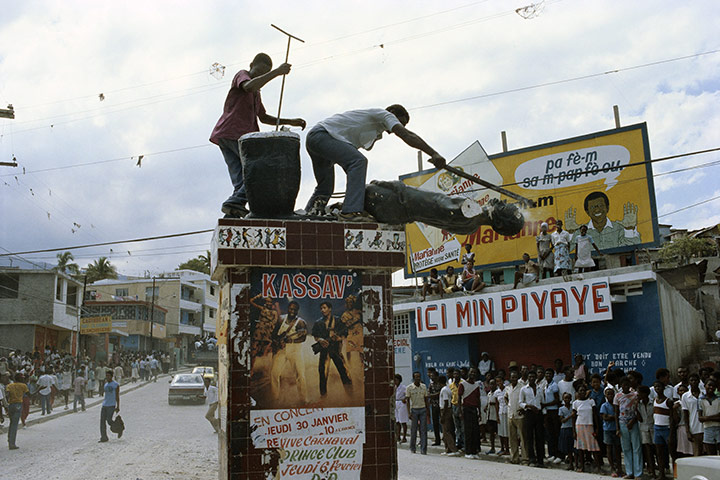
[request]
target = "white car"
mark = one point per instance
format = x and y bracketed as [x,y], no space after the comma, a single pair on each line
[188,387]
[698,468]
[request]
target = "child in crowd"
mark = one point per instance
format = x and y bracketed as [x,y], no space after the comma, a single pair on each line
[491,408]
[710,417]
[499,395]
[585,420]
[433,285]
[610,432]
[565,443]
[684,443]
[566,384]
[691,409]
[645,420]
[663,424]
[625,403]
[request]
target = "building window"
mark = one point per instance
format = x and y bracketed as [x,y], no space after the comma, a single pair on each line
[71,297]
[9,283]
[212,313]
[212,290]
[151,292]
[186,317]
[401,325]
[58,292]
[186,293]
[121,292]
[90,295]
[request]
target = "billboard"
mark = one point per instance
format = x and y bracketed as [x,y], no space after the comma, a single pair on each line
[602,180]
[96,325]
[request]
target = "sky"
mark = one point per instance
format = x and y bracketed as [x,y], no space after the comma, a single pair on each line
[78,181]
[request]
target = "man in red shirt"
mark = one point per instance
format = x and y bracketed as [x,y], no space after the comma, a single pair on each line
[469,392]
[241,112]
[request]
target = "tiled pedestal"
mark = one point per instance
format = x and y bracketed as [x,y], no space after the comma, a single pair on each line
[241,249]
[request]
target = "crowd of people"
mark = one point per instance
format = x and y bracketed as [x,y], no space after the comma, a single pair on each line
[564,414]
[50,378]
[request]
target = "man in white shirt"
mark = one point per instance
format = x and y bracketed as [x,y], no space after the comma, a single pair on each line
[337,139]
[515,417]
[531,399]
[211,398]
[45,385]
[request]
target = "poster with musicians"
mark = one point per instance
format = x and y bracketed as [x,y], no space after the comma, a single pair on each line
[307,339]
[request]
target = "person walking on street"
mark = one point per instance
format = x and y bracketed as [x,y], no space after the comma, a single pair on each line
[79,397]
[110,405]
[100,377]
[15,393]
[211,397]
[416,394]
[118,373]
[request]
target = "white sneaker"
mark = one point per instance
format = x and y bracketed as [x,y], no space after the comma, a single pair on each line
[476,456]
[557,460]
[444,453]
[469,456]
[454,454]
[551,459]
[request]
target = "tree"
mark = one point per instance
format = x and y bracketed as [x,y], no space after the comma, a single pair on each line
[201,263]
[685,248]
[101,269]
[64,264]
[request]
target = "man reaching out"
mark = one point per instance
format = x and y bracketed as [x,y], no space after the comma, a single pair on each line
[337,140]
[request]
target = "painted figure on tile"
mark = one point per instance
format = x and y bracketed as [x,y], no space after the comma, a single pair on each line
[329,334]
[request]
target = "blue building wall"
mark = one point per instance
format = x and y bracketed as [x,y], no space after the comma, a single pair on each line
[633,338]
[130,342]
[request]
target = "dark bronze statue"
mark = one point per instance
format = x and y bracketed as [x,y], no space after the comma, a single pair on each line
[396,203]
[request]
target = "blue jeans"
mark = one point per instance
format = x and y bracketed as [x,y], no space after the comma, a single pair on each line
[326,151]
[418,417]
[45,403]
[79,399]
[106,414]
[15,411]
[459,427]
[231,153]
[632,449]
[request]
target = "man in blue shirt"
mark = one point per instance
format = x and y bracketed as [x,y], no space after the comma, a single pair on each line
[110,405]
[551,404]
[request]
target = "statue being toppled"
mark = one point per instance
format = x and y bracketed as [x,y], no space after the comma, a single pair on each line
[396,203]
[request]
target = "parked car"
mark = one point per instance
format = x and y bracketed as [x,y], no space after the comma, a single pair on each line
[698,468]
[187,387]
[206,372]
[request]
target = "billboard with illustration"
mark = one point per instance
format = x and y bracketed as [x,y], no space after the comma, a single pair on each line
[602,180]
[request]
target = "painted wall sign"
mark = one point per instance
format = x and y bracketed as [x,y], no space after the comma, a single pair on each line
[555,304]
[601,180]
[432,257]
[374,240]
[257,238]
[273,428]
[306,330]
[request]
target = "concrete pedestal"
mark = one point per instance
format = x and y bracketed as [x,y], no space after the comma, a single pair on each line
[275,421]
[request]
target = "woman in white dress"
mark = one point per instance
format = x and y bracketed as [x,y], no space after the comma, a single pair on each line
[402,415]
[583,252]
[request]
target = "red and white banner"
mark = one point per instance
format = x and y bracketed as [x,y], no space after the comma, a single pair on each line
[554,304]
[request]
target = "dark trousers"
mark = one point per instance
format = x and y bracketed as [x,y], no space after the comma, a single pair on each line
[331,353]
[459,428]
[106,415]
[448,428]
[534,436]
[472,430]
[435,415]
[552,430]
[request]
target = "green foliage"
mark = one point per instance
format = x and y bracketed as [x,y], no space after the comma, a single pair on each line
[685,248]
[64,264]
[100,269]
[200,264]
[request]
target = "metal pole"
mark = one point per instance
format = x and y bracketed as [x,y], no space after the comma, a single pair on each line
[82,305]
[616,113]
[152,314]
[287,56]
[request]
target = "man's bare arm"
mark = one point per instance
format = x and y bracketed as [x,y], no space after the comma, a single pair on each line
[414,140]
[270,120]
[255,84]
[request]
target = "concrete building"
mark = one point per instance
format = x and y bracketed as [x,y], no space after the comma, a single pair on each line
[190,298]
[38,308]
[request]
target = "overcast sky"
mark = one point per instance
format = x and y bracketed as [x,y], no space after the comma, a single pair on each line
[151,61]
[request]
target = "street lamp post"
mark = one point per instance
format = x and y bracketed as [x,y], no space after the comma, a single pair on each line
[152,314]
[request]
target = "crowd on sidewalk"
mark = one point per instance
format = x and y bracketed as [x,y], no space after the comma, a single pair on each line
[48,378]
[564,415]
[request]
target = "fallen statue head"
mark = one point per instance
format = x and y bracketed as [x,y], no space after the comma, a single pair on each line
[396,203]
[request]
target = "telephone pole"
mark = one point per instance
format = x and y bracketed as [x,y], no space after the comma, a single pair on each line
[8,112]
[152,315]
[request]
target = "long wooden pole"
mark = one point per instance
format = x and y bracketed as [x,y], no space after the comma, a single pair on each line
[524,201]
[287,57]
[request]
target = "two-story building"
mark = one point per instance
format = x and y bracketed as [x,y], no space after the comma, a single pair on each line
[38,308]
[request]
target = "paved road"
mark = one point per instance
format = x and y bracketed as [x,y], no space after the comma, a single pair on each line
[160,442]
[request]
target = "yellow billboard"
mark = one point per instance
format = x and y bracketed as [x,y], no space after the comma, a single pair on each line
[602,180]
[96,325]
